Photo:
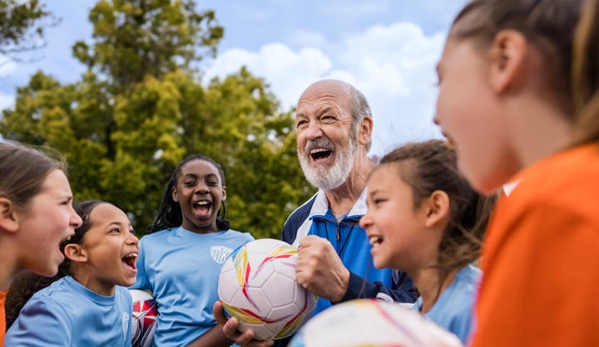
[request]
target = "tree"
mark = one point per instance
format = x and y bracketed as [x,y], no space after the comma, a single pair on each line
[22,25]
[140,108]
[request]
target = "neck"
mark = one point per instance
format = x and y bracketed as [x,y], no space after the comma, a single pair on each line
[343,198]
[430,285]
[8,259]
[88,278]
[198,229]
[542,132]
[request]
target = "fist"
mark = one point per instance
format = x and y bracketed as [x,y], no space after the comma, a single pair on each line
[320,270]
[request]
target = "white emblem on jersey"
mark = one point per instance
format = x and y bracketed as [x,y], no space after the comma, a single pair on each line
[125,323]
[220,253]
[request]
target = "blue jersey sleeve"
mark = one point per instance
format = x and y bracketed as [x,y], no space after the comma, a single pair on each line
[40,323]
[402,290]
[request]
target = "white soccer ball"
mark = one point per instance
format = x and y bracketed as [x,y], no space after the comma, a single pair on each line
[257,285]
[145,312]
[373,323]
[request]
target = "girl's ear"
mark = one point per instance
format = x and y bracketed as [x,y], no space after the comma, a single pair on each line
[224,194]
[75,253]
[508,53]
[365,131]
[175,195]
[9,218]
[437,208]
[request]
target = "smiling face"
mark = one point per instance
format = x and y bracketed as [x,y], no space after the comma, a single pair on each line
[48,220]
[473,117]
[395,227]
[326,136]
[199,192]
[110,249]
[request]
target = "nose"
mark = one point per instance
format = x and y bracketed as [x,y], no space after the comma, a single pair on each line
[132,239]
[365,221]
[202,188]
[75,220]
[313,131]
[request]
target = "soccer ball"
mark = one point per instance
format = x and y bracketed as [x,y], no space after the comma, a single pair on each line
[257,286]
[372,323]
[143,323]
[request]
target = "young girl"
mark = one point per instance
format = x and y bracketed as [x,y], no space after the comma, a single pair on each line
[425,219]
[181,257]
[35,215]
[540,253]
[89,306]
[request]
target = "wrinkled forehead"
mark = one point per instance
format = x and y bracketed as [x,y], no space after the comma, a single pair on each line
[322,96]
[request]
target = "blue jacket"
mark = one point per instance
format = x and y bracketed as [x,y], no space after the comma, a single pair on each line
[352,246]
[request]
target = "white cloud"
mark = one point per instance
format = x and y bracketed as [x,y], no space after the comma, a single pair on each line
[7,66]
[6,101]
[286,71]
[392,65]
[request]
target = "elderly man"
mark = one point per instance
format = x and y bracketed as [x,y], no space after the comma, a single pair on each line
[334,129]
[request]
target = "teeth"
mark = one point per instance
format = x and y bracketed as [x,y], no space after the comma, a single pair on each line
[68,238]
[318,150]
[375,240]
[202,202]
[132,255]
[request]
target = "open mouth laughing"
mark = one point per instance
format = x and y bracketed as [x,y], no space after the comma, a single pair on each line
[375,240]
[130,261]
[202,207]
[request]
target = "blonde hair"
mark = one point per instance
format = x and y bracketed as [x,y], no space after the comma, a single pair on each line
[585,75]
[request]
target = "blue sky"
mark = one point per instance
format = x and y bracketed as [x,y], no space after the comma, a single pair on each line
[386,48]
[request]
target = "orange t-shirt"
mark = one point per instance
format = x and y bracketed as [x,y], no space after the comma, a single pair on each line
[2,316]
[541,257]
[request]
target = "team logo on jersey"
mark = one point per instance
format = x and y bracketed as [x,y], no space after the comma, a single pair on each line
[220,253]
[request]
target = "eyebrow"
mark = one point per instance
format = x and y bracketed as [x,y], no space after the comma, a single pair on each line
[118,224]
[324,110]
[373,192]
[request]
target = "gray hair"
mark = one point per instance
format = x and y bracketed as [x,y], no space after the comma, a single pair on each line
[359,109]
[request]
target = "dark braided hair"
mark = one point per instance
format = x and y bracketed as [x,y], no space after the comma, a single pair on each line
[169,214]
[28,283]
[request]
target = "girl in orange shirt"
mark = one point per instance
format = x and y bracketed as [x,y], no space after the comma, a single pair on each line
[36,214]
[540,253]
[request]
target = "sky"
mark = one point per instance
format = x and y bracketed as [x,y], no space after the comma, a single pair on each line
[387,49]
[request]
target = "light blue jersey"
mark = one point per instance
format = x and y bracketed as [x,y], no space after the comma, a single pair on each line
[181,269]
[454,310]
[68,314]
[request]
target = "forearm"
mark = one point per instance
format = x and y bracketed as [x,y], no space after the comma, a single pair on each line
[215,337]
[358,287]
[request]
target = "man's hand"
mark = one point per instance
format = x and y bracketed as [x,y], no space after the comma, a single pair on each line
[244,339]
[320,270]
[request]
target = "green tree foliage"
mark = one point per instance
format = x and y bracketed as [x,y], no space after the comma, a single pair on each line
[22,25]
[140,108]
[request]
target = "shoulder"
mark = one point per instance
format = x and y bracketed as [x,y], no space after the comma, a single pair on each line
[156,237]
[562,182]
[301,213]
[50,303]
[242,235]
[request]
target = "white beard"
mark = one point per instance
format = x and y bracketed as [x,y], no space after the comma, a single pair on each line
[325,177]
